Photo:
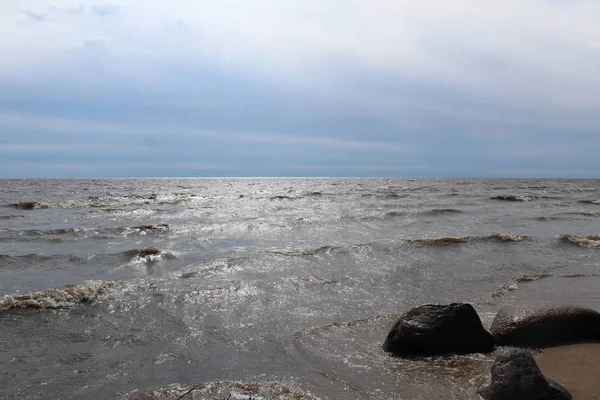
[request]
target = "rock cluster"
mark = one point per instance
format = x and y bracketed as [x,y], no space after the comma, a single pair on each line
[435,329]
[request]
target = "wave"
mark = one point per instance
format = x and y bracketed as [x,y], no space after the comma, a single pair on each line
[149,253]
[64,297]
[447,240]
[11,216]
[590,201]
[304,252]
[394,214]
[37,259]
[104,232]
[441,211]
[514,283]
[31,205]
[545,218]
[223,390]
[511,197]
[107,205]
[592,241]
[592,275]
[385,196]
[151,227]
[213,268]
[584,213]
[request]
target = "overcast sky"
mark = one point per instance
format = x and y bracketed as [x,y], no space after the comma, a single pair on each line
[461,88]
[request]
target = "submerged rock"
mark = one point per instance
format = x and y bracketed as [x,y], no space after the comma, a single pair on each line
[433,329]
[545,325]
[516,376]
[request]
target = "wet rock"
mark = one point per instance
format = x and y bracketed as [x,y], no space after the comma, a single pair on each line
[545,325]
[516,376]
[433,329]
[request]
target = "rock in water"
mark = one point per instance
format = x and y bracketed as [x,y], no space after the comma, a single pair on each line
[543,325]
[516,376]
[433,329]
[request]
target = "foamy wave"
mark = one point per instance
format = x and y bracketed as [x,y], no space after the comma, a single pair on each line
[505,237]
[447,240]
[514,283]
[149,253]
[581,276]
[224,390]
[590,201]
[511,197]
[67,296]
[583,240]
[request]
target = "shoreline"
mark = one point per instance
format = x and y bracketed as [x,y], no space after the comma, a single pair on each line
[575,367]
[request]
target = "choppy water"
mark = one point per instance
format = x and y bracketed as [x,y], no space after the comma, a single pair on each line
[280,288]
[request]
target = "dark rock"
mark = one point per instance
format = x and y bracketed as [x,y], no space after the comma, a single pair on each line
[434,329]
[543,325]
[516,376]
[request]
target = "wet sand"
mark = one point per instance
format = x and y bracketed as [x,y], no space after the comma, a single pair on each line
[576,367]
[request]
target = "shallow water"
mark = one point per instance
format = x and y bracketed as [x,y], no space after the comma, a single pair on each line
[285,286]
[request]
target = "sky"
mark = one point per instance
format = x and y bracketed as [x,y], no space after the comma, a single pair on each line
[423,88]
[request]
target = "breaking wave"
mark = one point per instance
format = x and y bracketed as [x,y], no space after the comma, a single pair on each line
[592,241]
[498,237]
[514,283]
[223,390]
[64,297]
[149,253]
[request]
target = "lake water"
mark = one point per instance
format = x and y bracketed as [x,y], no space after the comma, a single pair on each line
[271,288]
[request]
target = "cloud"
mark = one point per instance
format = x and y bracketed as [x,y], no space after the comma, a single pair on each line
[436,83]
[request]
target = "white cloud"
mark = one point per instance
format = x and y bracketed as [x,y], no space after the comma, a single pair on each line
[424,39]
[526,55]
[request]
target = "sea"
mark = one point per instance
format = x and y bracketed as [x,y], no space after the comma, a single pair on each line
[271,288]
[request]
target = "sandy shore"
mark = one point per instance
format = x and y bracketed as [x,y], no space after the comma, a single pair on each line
[576,367]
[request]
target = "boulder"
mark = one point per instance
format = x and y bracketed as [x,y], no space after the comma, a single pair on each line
[433,329]
[516,376]
[545,325]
